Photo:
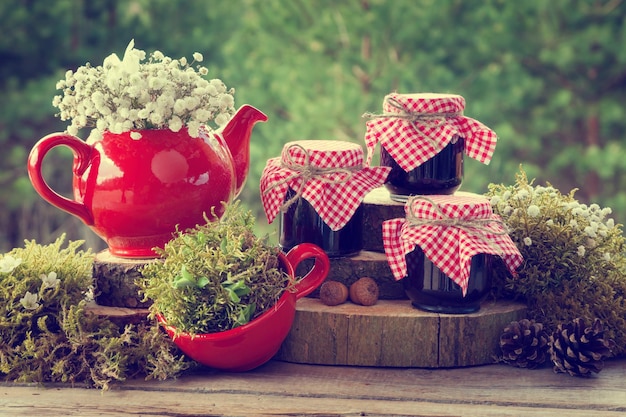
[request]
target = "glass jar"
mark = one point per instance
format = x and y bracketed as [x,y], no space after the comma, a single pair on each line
[430,289]
[446,251]
[316,190]
[301,223]
[424,138]
[441,174]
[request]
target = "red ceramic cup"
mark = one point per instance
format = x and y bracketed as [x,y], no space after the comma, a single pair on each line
[253,344]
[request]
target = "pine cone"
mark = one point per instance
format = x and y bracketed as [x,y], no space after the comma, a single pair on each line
[524,344]
[579,350]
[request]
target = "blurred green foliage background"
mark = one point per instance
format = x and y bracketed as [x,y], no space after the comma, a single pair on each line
[548,76]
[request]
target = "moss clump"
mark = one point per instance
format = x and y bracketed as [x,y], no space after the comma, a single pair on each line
[216,276]
[574,261]
[48,335]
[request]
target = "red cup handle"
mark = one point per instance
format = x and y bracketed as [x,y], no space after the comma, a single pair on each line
[82,160]
[316,275]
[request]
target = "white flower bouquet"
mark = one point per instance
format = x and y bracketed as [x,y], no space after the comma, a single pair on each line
[133,94]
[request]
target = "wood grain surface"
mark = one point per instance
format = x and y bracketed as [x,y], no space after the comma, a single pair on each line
[287,389]
[393,333]
[115,280]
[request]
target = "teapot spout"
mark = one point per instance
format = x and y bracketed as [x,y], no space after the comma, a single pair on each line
[236,134]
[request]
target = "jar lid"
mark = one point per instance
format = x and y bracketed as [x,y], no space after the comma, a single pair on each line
[450,230]
[329,174]
[413,128]
[458,207]
[323,154]
[428,103]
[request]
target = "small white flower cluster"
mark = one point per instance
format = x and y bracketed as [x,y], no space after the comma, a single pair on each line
[30,301]
[8,263]
[128,94]
[532,211]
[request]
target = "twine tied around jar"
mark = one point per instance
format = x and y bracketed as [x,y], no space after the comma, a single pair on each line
[471,226]
[426,119]
[306,172]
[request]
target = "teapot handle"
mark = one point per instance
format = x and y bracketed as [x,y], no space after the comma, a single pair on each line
[316,275]
[82,160]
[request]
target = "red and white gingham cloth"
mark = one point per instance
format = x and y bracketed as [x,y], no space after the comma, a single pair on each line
[335,196]
[412,142]
[471,228]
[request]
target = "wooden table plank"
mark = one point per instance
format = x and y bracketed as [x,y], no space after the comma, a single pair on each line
[285,389]
[246,404]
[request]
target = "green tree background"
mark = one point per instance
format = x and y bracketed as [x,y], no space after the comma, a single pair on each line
[548,76]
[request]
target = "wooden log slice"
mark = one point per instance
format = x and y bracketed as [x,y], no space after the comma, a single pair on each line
[119,315]
[392,333]
[378,207]
[114,280]
[365,264]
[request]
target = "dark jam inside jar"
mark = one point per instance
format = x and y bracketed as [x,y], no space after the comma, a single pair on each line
[430,289]
[441,174]
[301,223]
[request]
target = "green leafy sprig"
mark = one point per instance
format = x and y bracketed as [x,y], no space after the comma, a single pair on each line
[216,276]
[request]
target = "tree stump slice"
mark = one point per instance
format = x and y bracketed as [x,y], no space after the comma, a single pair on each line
[365,264]
[392,333]
[115,280]
[378,207]
[121,316]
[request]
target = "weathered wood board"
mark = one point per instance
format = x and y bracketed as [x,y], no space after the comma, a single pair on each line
[393,333]
[287,389]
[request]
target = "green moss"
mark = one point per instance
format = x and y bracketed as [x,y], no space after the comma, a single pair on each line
[48,335]
[216,276]
[574,260]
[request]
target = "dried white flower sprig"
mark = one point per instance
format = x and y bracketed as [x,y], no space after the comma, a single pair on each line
[130,95]
[559,237]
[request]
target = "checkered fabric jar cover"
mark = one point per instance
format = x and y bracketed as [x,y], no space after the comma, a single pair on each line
[450,230]
[415,127]
[328,174]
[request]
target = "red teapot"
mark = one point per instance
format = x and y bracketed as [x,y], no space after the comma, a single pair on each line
[134,194]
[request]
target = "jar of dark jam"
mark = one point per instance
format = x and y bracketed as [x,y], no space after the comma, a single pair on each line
[430,289]
[316,190]
[441,174]
[300,223]
[424,137]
